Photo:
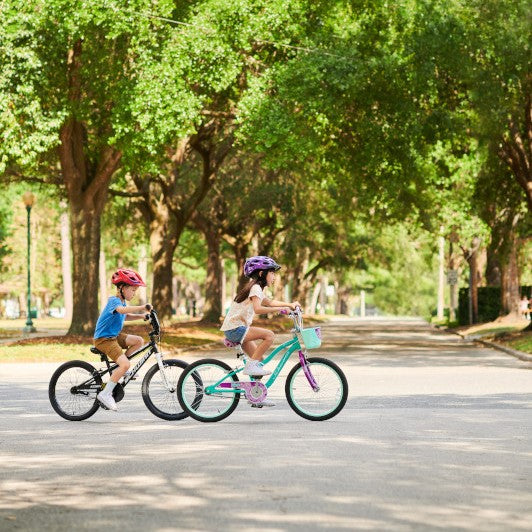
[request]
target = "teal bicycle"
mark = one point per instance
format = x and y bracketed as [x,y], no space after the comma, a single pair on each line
[316,388]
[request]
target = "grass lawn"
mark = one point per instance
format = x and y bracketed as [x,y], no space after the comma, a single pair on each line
[521,342]
[509,333]
[56,352]
[58,347]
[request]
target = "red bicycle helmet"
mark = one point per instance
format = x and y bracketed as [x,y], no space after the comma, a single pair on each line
[130,277]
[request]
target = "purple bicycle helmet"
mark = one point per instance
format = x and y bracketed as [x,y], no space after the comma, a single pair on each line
[259,262]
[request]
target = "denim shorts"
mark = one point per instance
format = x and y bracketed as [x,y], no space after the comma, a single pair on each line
[236,335]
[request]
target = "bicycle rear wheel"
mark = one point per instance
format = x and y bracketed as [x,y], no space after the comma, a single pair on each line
[199,404]
[324,403]
[73,388]
[160,400]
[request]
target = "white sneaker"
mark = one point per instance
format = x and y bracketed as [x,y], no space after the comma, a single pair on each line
[255,368]
[107,401]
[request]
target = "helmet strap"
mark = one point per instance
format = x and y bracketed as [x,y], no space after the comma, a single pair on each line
[120,290]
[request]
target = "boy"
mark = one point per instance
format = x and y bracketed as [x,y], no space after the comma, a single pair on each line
[108,337]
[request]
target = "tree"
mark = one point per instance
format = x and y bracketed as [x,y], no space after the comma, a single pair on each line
[75,82]
[224,44]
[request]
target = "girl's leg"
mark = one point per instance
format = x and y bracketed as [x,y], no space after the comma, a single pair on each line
[249,345]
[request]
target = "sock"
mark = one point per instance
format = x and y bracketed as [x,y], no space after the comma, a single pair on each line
[109,387]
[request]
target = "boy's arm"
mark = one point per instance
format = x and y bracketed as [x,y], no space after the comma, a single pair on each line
[130,317]
[134,310]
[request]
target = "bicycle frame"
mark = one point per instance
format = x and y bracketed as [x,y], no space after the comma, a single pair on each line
[151,346]
[289,347]
[131,373]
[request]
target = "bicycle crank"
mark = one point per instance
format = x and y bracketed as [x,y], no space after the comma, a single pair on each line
[255,391]
[118,393]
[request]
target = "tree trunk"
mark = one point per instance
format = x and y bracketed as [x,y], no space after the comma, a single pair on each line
[516,152]
[86,182]
[164,237]
[240,251]
[212,309]
[493,266]
[85,232]
[169,211]
[510,279]
[87,194]
[473,284]
[66,265]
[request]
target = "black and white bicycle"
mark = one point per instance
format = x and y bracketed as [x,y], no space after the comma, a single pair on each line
[75,384]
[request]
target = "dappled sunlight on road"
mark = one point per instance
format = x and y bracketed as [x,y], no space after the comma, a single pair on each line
[431,438]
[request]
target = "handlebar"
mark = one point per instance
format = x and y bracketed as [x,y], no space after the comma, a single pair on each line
[154,322]
[296,315]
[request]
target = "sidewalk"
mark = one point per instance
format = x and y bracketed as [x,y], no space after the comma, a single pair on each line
[39,333]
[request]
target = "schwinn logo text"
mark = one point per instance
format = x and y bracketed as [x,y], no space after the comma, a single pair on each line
[140,362]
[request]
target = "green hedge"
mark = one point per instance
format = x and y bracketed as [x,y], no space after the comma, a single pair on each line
[489,303]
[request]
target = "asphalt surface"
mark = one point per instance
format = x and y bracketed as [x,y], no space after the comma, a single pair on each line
[436,435]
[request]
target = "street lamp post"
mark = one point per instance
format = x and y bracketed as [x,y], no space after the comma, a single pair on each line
[29,200]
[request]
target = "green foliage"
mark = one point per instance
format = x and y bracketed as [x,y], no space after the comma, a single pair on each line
[349,116]
[45,242]
[6,217]
[400,271]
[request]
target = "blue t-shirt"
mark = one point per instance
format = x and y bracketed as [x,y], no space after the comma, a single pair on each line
[110,322]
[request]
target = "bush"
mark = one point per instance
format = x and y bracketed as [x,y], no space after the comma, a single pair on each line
[489,303]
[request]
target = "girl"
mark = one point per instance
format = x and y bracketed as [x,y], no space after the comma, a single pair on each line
[249,301]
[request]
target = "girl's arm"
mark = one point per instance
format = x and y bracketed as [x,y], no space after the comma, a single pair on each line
[275,303]
[269,305]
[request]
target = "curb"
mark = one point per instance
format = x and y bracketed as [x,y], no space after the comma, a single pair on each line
[514,352]
[508,350]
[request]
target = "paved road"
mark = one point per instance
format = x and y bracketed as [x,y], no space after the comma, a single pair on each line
[436,435]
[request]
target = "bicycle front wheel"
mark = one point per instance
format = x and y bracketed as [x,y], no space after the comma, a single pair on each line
[73,389]
[327,400]
[160,397]
[199,402]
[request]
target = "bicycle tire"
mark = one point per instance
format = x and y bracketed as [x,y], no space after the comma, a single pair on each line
[319,405]
[66,398]
[192,397]
[160,401]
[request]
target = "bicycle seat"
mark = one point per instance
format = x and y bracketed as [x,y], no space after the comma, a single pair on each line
[96,351]
[228,343]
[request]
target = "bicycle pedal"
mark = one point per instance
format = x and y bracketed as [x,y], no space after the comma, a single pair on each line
[102,405]
[253,405]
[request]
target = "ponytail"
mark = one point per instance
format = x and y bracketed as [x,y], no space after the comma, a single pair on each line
[259,278]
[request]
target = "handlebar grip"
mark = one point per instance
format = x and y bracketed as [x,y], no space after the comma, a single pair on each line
[283,312]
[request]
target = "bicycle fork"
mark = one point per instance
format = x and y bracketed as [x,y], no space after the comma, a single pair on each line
[308,373]
[162,368]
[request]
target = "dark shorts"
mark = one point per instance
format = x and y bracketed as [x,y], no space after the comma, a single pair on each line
[236,335]
[112,347]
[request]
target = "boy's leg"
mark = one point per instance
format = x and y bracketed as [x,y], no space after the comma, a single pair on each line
[123,366]
[133,343]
